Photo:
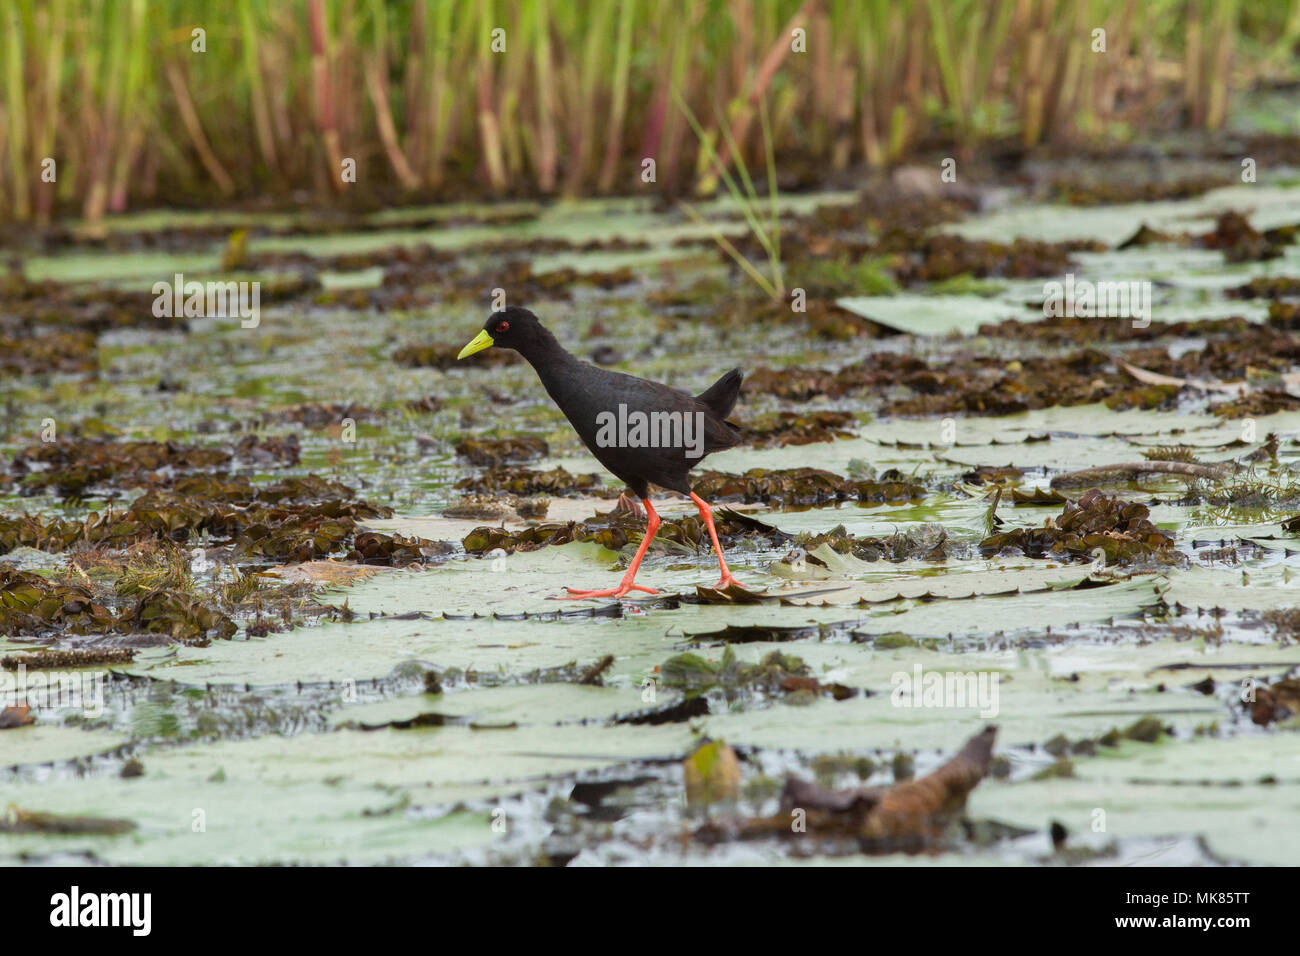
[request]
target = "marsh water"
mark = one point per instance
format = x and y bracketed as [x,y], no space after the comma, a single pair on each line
[442,707]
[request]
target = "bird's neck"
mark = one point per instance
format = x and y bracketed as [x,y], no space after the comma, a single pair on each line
[547,357]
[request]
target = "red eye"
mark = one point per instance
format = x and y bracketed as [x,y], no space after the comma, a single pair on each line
[503,327]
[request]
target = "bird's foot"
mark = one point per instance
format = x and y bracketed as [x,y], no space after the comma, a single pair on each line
[618,592]
[726,582]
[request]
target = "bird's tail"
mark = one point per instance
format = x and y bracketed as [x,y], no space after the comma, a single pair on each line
[721,395]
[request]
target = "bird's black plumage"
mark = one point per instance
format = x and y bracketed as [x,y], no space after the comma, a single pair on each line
[589,396]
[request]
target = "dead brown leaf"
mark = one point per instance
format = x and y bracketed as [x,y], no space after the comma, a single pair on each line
[16,716]
[333,573]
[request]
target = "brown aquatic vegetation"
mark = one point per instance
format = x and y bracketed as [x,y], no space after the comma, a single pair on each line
[426,405]
[821,316]
[1284,315]
[1233,235]
[61,659]
[522,284]
[1102,192]
[795,428]
[72,466]
[988,475]
[776,675]
[1086,330]
[942,256]
[880,212]
[420,254]
[32,605]
[591,676]
[616,529]
[482,540]
[319,414]
[370,547]
[49,353]
[492,452]
[181,617]
[1146,730]
[1241,356]
[486,507]
[929,542]
[17,820]
[1146,236]
[296,519]
[414,285]
[1266,287]
[1285,622]
[1180,453]
[985,385]
[288,534]
[1279,700]
[1263,402]
[1262,488]
[1036,497]
[525,481]
[910,816]
[444,357]
[892,232]
[1241,242]
[48,304]
[329,573]
[16,715]
[272,451]
[1130,470]
[1121,530]
[804,487]
[782,488]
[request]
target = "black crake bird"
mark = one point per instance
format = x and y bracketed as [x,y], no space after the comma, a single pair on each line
[590,396]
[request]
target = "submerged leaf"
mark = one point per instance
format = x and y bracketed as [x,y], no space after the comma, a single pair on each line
[712,774]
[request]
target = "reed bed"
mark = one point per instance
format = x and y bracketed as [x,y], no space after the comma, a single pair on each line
[429,103]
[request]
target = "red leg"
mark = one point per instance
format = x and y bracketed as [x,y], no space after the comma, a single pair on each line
[651,528]
[707,515]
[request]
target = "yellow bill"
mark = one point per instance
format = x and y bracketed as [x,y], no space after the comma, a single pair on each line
[480,342]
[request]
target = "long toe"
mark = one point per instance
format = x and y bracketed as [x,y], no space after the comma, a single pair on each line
[726,582]
[579,595]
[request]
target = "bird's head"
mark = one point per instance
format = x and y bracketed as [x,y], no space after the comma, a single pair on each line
[512,328]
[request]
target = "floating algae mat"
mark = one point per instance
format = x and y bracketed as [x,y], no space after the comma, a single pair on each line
[297,581]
